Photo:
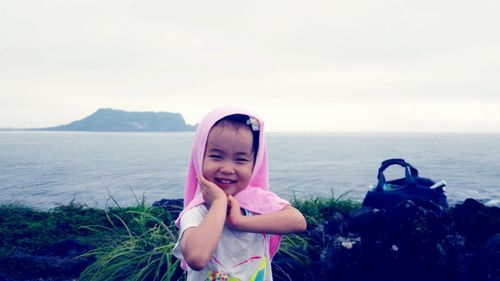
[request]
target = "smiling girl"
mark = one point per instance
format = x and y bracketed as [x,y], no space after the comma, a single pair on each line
[231,224]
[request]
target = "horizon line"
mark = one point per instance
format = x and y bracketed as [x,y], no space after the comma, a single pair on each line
[271,131]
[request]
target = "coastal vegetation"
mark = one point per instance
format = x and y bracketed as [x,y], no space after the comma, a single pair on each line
[134,241]
[412,241]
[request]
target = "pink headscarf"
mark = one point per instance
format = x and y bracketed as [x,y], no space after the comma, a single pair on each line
[256,197]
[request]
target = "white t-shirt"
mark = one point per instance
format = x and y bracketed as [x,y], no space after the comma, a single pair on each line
[239,256]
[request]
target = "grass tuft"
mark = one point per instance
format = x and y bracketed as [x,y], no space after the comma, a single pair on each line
[140,247]
[317,210]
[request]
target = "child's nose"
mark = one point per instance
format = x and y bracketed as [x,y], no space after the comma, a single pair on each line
[227,168]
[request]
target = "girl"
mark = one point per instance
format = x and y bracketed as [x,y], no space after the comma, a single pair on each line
[231,223]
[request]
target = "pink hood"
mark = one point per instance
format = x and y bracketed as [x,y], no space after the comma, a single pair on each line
[256,197]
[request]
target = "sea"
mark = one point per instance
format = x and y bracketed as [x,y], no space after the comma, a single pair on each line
[44,169]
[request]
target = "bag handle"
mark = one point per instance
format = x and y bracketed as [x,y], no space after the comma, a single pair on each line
[410,172]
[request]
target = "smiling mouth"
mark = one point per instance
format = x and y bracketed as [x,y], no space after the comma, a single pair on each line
[225,181]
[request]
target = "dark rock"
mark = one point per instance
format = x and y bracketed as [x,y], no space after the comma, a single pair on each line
[418,221]
[341,258]
[366,220]
[491,256]
[173,206]
[485,262]
[5,277]
[336,224]
[411,241]
[414,240]
[64,248]
[59,261]
[476,222]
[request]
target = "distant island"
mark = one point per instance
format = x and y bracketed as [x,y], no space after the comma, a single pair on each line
[113,120]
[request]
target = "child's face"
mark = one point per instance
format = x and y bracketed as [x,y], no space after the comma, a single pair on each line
[228,160]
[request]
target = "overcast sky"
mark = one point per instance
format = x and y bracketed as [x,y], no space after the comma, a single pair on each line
[355,66]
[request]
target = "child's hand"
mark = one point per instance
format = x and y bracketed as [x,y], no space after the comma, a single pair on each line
[234,218]
[211,192]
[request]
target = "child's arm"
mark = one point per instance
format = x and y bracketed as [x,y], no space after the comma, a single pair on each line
[287,220]
[198,243]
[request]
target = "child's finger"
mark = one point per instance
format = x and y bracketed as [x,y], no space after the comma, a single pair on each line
[206,183]
[234,211]
[202,180]
[233,202]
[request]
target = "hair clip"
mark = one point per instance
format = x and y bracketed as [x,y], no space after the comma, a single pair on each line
[253,123]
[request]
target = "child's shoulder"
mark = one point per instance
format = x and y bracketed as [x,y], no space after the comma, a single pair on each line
[199,209]
[193,216]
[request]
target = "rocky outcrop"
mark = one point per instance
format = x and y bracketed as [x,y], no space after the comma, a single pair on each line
[113,120]
[57,262]
[412,241]
[172,206]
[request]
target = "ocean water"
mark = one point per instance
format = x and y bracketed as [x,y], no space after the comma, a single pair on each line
[46,169]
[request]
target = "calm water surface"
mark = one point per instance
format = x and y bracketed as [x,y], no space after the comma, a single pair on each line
[45,169]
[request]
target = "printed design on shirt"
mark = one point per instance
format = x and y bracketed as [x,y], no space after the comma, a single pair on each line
[219,276]
[258,275]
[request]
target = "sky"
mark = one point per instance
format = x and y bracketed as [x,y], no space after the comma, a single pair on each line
[303,66]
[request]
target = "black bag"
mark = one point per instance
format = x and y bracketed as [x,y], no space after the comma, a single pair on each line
[412,187]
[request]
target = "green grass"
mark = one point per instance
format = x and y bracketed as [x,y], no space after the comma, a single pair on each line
[317,210]
[135,243]
[140,248]
[32,229]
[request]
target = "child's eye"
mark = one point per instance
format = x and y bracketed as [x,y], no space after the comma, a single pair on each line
[242,160]
[215,156]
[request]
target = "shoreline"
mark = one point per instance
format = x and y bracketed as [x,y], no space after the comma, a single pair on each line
[452,203]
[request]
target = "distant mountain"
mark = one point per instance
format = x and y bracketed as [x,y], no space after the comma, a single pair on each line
[112,120]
